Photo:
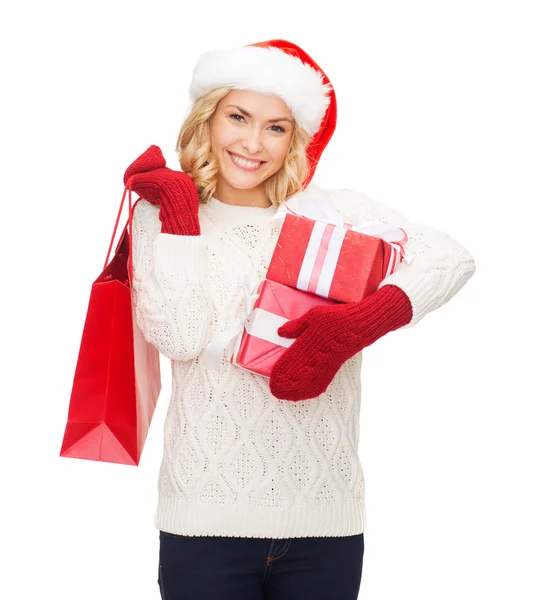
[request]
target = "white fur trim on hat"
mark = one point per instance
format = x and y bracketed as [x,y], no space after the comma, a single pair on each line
[266,70]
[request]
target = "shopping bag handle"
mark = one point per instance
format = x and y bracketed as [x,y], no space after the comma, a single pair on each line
[127,189]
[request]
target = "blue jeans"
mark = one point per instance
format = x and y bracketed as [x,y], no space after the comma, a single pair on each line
[241,568]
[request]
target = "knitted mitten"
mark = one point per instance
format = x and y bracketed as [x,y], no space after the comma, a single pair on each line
[327,336]
[173,191]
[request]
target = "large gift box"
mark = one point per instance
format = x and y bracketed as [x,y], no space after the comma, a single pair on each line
[261,346]
[333,259]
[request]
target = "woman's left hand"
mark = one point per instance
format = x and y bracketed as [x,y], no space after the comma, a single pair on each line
[327,336]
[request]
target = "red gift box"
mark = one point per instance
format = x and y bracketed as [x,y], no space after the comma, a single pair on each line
[261,346]
[332,261]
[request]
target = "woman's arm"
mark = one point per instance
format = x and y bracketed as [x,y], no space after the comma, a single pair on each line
[326,337]
[440,265]
[170,286]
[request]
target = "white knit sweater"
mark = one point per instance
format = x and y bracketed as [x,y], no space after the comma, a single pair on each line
[236,460]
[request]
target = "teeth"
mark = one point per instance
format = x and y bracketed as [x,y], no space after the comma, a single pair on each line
[244,163]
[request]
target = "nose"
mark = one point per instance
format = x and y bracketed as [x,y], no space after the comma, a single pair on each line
[252,142]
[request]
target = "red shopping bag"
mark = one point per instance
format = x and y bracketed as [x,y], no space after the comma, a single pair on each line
[117,377]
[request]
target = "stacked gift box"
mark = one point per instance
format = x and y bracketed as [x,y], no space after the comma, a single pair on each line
[316,262]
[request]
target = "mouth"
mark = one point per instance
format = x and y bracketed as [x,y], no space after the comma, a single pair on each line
[245,164]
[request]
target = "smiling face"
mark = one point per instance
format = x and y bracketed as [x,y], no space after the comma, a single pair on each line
[250,134]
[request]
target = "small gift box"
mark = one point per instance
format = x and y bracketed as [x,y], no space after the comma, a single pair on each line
[330,258]
[257,345]
[261,346]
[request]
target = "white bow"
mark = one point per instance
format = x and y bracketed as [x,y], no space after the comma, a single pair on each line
[320,209]
[311,207]
[229,340]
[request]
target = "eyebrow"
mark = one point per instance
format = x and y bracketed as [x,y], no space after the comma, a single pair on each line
[250,116]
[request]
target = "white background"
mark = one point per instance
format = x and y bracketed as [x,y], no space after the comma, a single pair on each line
[436,119]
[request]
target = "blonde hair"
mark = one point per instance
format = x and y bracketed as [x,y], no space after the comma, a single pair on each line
[196,158]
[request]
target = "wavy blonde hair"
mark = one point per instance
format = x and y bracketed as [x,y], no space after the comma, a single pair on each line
[194,152]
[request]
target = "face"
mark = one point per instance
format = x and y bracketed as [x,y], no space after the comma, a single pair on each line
[250,135]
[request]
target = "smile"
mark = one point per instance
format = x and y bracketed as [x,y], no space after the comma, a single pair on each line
[246,165]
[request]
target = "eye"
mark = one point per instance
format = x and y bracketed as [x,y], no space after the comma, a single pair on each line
[278,128]
[236,117]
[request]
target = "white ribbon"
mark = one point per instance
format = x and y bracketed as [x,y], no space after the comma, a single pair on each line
[311,207]
[265,325]
[320,209]
[229,340]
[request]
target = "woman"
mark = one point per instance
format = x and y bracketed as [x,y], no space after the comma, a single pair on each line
[261,492]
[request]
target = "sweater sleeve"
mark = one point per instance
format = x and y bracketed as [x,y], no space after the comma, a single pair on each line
[438,265]
[170,290]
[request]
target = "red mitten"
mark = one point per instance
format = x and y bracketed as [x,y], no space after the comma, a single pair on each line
[173,191]
[327,336]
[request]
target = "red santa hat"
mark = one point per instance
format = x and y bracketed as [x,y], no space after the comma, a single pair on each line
[275,67]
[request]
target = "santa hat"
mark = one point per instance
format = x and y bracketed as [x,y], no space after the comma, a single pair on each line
[275,67]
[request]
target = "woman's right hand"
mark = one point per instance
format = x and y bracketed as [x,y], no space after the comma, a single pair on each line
[173,191]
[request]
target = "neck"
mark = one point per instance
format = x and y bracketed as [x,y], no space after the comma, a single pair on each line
[236,197]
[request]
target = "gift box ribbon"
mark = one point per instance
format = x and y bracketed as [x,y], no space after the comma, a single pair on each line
[255,321]
[321,257]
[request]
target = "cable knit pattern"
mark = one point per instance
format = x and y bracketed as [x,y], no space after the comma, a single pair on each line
[236,460]
[169,282]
